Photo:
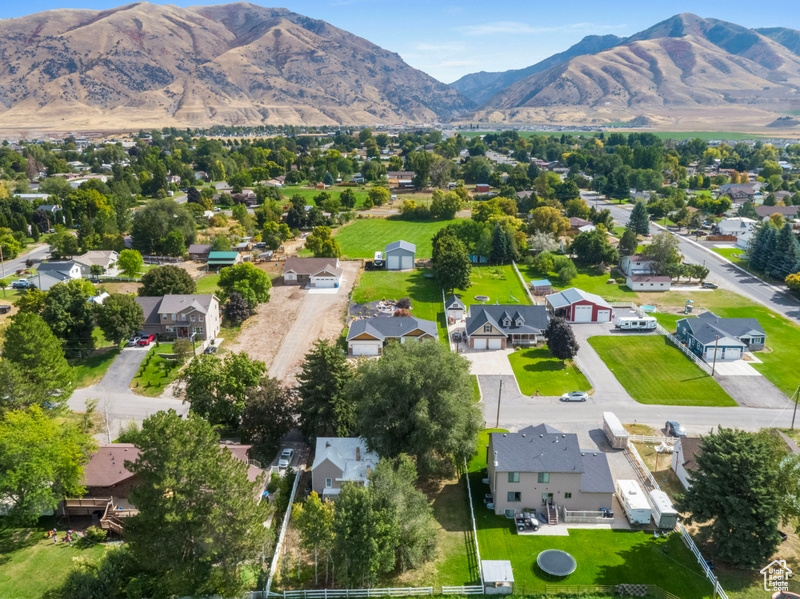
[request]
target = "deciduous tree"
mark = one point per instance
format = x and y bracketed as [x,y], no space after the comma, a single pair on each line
[628,242]
[322,243]
[314,520]
[248,280]
[119,317]
[547,219]
[269,411]
[130,263]
[167,280]
[593,248]
[69,315]
[560,339]
[237,309]
[451,261]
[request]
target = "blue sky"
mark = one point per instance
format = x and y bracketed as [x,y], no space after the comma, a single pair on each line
[448,38]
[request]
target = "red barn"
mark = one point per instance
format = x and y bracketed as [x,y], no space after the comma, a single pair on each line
[576,306]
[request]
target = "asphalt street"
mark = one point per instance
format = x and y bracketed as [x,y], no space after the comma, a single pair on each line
[37,254]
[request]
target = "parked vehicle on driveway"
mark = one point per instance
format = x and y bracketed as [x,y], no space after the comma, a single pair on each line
[286,458]
[456,336]
[133,341]
[709,285]
[575,396]
[146,340]
[211,349]
[21,284]
[674,429]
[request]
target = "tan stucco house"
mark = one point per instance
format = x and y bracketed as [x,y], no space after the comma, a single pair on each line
[338,460]
[181,316]
[540,466]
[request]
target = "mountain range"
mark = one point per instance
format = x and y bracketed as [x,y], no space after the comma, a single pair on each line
[144,65]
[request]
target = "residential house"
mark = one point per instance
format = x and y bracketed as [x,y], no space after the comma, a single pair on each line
[312,272]
[454,308]
[542,466]
[338,460]
[107,259]
[368,336]
[399,255]
[729,338]
[576,306]
[246,197]
[787,212]
[500,326]
[739,227]
[181,316]
[199,251]
[400,179]
[684,458]
[54,272]
[648,282]
[218,260]
[579,225]
[637,264]
[741,192]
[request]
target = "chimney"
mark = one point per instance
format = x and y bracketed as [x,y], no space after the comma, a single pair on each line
[358,454]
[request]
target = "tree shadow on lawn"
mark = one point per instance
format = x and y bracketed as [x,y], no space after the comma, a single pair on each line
[545,361]
[15,539]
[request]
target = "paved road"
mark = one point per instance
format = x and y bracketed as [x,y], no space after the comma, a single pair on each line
[37,254]
[722,271]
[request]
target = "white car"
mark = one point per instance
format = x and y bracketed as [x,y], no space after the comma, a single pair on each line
[575,396]
[286,458]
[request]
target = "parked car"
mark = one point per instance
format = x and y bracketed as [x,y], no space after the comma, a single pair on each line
[21,284]
[146,340]
[133,341]
[575,396]
[709,285]
[456,336]
[674,429]
[286,458]
[5,308]
[211,349]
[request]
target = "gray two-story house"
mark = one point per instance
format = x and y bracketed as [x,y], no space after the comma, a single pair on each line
[181,316]
[541,466]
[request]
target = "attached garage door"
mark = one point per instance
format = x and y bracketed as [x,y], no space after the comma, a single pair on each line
[583,314]
[408,262]
[479,343]
[364,349]
[710,354]
[495,343]
[324,282]
[603,315]
[393,263]
[732,353]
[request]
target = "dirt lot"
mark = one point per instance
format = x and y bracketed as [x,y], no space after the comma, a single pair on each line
[283,330]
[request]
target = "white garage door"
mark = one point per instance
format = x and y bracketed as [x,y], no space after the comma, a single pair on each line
[710,354]
[583,313]
[364,349]
[603,315]
[408,262]
[324,282]
[479,343]
[495,343]
[393,263]
[733,353]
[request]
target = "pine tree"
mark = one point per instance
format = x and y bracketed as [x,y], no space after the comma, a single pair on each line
[761,245]
[500,246]
[785,256]
[639,220]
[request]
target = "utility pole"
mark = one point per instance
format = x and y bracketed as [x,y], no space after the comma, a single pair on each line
[714,365]
[499,395]
[796,397]
[2,263]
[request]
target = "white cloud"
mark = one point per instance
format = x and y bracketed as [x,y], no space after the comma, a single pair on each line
[514,27]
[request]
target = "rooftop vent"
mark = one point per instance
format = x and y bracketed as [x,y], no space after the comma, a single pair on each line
[523,434]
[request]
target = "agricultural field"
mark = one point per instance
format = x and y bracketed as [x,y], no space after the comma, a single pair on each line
[364,236]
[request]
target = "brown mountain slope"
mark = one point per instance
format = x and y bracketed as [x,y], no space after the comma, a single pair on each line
[241,64]
[686,65]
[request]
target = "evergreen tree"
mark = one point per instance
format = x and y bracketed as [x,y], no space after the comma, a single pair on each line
[324,409]
[502,246]
[786,256]
[639,220]
[628,242]
[560,339]
[761,247]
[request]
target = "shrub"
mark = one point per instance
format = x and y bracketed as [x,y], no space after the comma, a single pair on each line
[92,536]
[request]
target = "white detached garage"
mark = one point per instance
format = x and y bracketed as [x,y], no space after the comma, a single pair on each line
[400,255]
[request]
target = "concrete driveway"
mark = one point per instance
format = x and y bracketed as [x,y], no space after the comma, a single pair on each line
[488,361]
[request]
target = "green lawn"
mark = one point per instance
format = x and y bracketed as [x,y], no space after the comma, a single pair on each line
[208,283]
[155,373]
[363,237]
[604,557]
[537,370]
[500,283]
[425,294]
[30,565]
[308,193]
[476,388]
[589,280]
[89,371]
[654,371]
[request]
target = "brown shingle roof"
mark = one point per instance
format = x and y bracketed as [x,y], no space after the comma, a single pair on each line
[308,266]
[691,447]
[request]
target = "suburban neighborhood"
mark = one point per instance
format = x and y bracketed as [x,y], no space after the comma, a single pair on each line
[343,374]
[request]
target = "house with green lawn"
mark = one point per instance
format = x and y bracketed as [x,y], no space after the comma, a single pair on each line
[501,326]
[728,338]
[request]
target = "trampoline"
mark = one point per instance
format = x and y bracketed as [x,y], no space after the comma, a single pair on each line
[556,562]
[482,298]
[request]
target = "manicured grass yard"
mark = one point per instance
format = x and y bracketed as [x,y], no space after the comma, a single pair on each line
[32,565]
[537,370]
[589,280]
[157,372]
[208,283]
[500,283]
[604,557]
[89,371]
[654,371]
[425,294]
[363,237]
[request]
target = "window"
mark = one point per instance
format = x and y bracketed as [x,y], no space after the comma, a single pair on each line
[510,513]
[200,319]
[513,477]
[163,317]
[514,496]
[198,330]
[487,328]
[170,329]
[174,317]
[506,322]
[328,483]
[192,317]
[183,317]
[544,477]
[567,495]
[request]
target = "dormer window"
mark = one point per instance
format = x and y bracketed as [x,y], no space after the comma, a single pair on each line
[519,322]
[487,328]
[506,323]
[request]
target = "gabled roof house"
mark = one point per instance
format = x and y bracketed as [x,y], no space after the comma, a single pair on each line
[338,460]
[368,336]
[576,306]
[728,337]
[500,326]
[313,272]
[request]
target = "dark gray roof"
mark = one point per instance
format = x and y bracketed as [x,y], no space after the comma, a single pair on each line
[537,449]
[534,318]
[56,266]
[311,266]
[400,245]
[708,325]
[453,302]
[150,308]
[764,211]
[390,327]
[596,473]
[573,295]
[199,248]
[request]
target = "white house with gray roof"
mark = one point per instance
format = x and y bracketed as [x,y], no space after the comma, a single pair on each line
[338,460]
[399,255]
[728,337]
[500,326]
[542,466]
[368,336]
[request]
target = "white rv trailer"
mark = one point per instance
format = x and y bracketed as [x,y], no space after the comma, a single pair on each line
[664,515]
[634,501]
[638,323]
[615,433]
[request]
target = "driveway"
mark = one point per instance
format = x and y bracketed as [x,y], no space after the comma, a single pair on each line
[488,361]
[119,375]
[605,384]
